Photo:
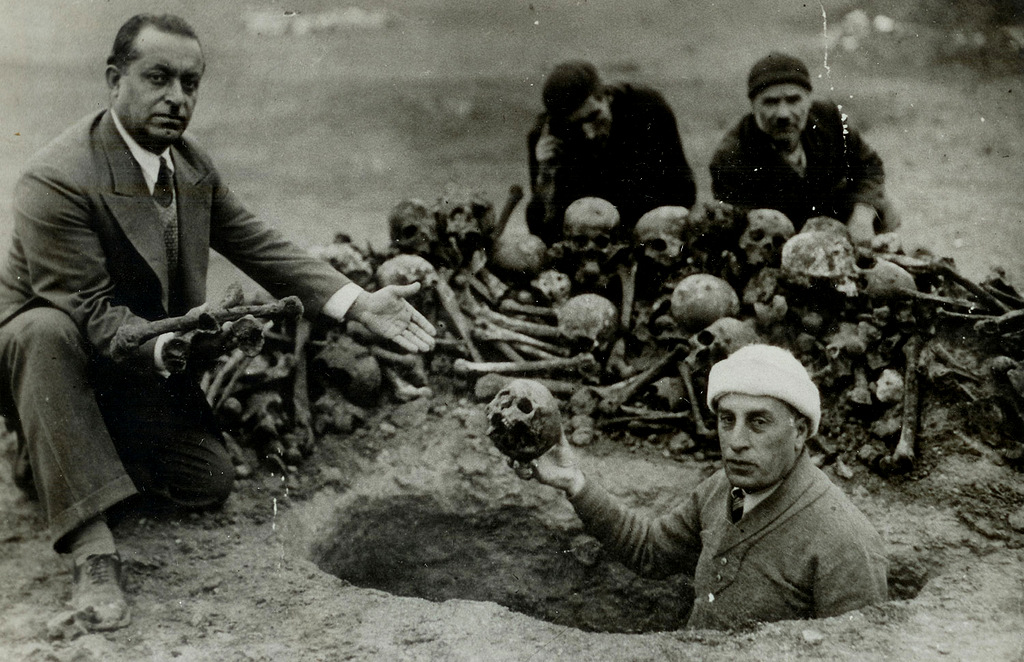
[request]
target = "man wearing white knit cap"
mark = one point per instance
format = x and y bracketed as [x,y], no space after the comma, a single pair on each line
[768,537]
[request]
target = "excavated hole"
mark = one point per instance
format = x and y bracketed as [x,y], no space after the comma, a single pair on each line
[410,546]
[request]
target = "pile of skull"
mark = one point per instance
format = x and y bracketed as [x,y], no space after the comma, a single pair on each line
[624,326]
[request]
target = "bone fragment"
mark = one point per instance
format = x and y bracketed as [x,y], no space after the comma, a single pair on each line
[542,331]
[699,426]
[510,352]
[130,336]
[488,385]
[581,362]
[534,352]
[616,395]
[485,330]
[544,312]
[301,414]
[627,275]
[1007,323]
[515,195]
[943,268]
[462,325]
[902,459]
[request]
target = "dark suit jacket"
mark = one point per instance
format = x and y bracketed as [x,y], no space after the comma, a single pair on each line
[87,241]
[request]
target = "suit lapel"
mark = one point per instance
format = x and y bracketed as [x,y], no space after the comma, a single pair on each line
[194,204]
[130,202]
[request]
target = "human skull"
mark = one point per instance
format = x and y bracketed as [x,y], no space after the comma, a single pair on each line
[766,233]
[590,223]
[413,227]
[462,215]
[721,338]
[553,285]
[523,420]
[406,270]
[521,253]
[588,321]
[821,257]
[889,387]
[825,224]
[660,233]
[700,299]
[886,280]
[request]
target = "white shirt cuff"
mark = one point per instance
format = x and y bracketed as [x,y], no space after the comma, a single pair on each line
[158,353]
[339,303]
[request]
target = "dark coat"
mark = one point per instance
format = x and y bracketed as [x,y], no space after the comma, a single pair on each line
[642,167]
[86,239]
[842,170]
[804,552]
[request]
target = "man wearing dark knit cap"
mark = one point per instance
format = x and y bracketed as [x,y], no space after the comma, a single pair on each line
[800,156]
[766,538]
[617,142]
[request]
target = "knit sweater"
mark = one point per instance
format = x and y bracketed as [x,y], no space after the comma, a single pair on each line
[842,169]
[804,552]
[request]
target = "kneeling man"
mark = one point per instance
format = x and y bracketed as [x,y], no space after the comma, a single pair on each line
[768,537]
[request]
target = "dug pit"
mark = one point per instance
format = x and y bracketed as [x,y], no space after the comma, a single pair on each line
[410,545]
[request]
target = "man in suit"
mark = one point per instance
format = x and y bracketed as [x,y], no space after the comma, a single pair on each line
[800,156]
[114,221]
[766,538]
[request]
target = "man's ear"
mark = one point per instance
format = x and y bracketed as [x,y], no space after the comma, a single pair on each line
[113,76]
[803,430]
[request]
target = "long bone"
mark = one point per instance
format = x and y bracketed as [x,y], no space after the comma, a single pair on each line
[130,336]
[485,330]
[585,363]
[614,396]
[540,331]
[463,327]
[699,426]
[942,268]
[511,306]
[902,458]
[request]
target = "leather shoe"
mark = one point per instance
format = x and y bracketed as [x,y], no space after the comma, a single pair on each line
[97,597]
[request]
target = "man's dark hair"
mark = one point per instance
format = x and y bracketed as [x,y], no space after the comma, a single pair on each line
[124,51]
[568,86]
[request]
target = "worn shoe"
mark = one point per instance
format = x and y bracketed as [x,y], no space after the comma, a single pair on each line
[97,597]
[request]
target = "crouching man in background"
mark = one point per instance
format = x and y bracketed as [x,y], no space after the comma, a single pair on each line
[768,537]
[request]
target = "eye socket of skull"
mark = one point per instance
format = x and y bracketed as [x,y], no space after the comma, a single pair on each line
[757,234]
[659,245]
[410,231]
[524,405]
[602,241]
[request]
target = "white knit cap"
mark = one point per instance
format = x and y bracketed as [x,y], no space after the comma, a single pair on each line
[768,371]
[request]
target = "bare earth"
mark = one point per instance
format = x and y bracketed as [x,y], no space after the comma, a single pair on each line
[435,537]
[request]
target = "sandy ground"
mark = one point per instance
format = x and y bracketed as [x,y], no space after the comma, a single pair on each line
[324,132]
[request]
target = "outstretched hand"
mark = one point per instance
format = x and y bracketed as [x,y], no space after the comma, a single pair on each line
[559,469]
[386,313]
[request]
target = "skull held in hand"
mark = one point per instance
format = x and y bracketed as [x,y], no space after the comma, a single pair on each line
[660,232]
[406,270]
[524,420]
[700,299]
[588,321]
[413,227]
[767,231]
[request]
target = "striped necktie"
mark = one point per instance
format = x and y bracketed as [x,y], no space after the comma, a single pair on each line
[163,191]
[736,498]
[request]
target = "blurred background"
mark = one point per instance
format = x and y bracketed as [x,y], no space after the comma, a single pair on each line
[322,115]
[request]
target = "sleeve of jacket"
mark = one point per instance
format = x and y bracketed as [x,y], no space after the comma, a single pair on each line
[867,173]
[730,180]
[66,259]
[652,547]
[265,255]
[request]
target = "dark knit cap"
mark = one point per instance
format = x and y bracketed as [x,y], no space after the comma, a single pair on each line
[777,68]
[568,86]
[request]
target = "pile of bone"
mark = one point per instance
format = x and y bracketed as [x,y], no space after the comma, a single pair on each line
[624,323]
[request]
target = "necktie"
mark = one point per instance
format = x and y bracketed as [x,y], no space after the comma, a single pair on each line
[736,504]
[163,191]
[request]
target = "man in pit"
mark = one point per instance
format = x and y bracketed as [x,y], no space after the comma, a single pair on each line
[766,538]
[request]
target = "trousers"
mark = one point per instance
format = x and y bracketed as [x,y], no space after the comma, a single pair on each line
[95,433]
